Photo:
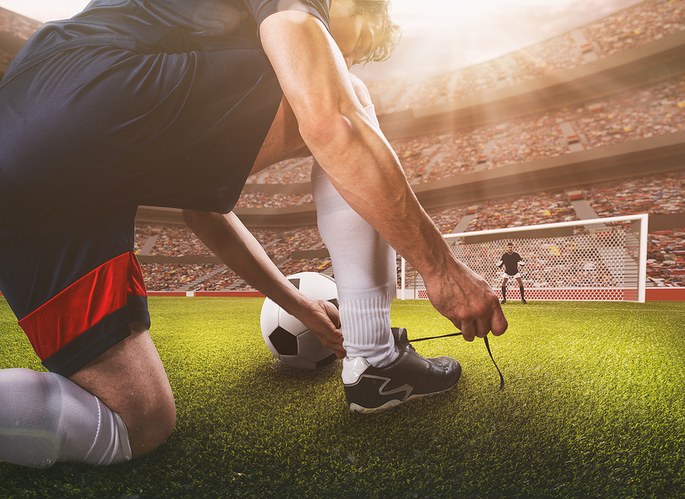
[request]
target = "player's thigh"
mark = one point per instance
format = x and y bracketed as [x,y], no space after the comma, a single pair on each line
[130,379]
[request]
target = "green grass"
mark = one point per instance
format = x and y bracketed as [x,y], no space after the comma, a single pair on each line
[594,406]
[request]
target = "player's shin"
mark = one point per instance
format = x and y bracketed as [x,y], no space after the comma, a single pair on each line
[46,418]
[364,266]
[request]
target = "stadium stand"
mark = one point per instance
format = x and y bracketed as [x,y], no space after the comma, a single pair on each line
[15,29]
[590,123]
[649,111]
[630,28]
[289,248]
[661,194]
[666,258]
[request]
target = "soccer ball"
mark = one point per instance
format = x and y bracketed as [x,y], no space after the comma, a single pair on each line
[289,339]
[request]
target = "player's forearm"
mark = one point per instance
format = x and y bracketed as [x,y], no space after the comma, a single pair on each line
[228,239]
[365,171]
[356,157]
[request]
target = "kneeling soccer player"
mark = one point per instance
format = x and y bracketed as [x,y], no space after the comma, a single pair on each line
[174,103]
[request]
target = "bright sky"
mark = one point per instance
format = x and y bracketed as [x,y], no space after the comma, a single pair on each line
[438,35]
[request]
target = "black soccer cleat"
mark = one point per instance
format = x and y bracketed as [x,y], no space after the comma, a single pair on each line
[503,301]
[371,389]
[523,300]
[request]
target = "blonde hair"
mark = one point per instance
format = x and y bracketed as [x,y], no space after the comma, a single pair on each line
[386,32]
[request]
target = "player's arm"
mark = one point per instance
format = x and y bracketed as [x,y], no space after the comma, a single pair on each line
[227,238]
[364,169]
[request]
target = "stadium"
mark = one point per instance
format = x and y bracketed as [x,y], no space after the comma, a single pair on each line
[574,149]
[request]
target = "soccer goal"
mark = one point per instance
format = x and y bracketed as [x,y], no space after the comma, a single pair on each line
[602,259]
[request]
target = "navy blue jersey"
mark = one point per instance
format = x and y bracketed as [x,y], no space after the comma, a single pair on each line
[167,25]
[162,103]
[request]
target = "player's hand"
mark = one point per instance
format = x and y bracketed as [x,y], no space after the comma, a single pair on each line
[324,319]
[467,300]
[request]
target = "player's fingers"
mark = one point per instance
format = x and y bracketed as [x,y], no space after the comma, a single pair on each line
[331,335]
[334,315]
[468,330]
[332,312]
[482,327]
[334,342]
[339,352]
[498,322]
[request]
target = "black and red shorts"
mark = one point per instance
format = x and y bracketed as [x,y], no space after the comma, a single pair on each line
[74,283]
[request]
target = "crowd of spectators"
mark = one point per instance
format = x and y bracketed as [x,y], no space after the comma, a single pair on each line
[289,171]
[447,219]
[656,194]
[532,209]
[5,59]
[637,25]
[631,115]
[269,200]
[282,246]
[666,258]
[174,241]
[221,278]
[636,114]
[645,22]
[321,265]
[291,241]
[17,25]
[174,276]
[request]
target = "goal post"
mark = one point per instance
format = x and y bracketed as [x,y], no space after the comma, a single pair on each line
[602,259]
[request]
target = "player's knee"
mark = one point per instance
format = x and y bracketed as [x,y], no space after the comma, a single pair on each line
[162,422]
[151,425]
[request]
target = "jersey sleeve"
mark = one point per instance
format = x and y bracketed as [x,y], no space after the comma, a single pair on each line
[261,9]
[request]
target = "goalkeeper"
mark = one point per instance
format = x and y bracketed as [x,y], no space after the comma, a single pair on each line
[511,261]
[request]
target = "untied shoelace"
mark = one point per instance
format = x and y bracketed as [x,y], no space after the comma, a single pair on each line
[487,346]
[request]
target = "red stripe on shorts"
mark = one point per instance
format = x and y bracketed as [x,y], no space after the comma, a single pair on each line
[83,304]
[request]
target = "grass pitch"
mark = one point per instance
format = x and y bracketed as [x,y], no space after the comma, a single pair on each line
[593,406]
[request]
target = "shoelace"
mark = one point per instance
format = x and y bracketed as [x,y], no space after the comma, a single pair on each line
[487,346]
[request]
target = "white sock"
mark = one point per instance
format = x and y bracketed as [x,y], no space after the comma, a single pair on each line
[46,418]
[365,272]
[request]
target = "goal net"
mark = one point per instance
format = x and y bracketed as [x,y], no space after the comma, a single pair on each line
[602,259]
